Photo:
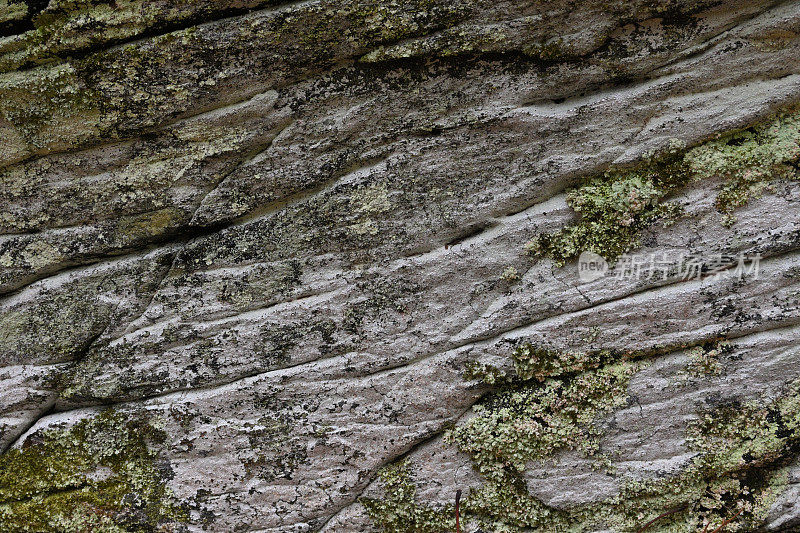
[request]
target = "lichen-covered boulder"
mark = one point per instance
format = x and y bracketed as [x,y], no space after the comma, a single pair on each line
[321,266]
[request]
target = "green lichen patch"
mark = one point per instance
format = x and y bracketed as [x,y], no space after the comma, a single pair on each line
[697,501]
[499,507]
[101,474]
[399,511]
[535,362]
[550,404]
[742,452]
[538,363]
[505,506]
[749,160]
[614,208]
[735,436]
[510,275]
[531,421]
[520,423]
[704,359]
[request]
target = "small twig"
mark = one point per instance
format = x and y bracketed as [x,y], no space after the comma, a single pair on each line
[662,515]
[458,511]
[728,521]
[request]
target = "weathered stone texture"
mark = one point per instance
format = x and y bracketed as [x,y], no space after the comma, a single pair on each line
[260,261]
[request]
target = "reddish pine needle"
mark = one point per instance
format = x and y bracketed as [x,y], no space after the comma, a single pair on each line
[728,521]
[678,509]
[662,515]
[458,511]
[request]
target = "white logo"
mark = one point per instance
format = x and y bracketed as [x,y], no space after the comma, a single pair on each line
[591,267]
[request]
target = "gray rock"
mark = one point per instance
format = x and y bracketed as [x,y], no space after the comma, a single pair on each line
[270,238]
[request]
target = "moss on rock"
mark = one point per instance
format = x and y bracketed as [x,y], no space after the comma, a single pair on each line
[11,11]
[101,474]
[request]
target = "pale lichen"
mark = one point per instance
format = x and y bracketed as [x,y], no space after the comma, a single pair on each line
[538,363]
[531,421]
[704,360]
[741,451]
[510,275]
[739,467]
[399,511]
[616,207]
[523,422]
[748,161]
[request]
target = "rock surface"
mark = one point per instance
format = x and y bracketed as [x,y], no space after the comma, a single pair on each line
[263,265]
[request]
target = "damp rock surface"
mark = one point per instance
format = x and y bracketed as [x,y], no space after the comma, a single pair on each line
[312,266]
